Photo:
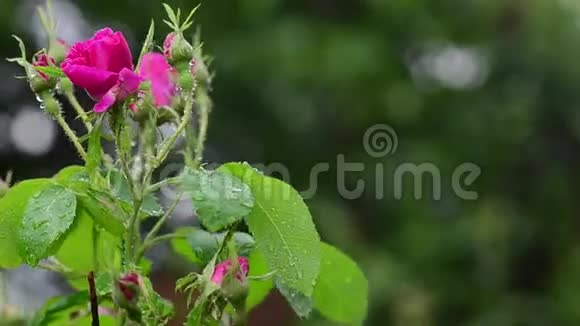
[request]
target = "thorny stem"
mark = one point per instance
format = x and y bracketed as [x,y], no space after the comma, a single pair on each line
[133,226]
[72,136]
[79,109]
[204,104]
[149,239]
[162,155]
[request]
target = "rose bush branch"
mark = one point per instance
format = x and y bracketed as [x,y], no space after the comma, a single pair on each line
[86,220]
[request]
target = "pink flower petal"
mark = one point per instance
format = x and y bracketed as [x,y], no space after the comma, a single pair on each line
[156,69]
[106,101]
[222,269]
[109,50]
[128,83]
[96,82]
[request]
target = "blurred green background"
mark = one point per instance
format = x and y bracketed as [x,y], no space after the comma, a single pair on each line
[492,82]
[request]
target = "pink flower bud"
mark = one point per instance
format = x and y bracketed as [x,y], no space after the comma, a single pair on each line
[128,285]
[58,49]
[223,268]
[177,49]
[167,44]
[43,60]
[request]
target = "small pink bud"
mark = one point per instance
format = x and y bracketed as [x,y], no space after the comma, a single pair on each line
[167,44]
[177,49]
[223,268]
[129,286]
[43,60]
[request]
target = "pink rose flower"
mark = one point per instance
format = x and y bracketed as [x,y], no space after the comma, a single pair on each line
[103,66]
[43,60]
[222,269]
[156,69]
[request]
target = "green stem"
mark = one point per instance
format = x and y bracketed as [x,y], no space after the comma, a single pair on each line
[150,238]
[168,145]
[190,141]
[131,238]
[133,233]
[161,184]
[72,136]
[79,109]
[154,241]
[204,103]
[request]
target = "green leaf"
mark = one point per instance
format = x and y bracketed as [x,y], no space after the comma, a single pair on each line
[147,44]
[74,177]
[76,251]
[12,207]
[155,309]
[56,311]
[103,210]
[301,303]
[283,229]
[341,291]
[48,215]
[171,14]
[53,72]
[199,246]
[101,207]
[120,188]
[220,199]
[258,290]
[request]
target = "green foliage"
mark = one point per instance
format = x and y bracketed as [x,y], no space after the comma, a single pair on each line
[68,310]
[53,72]
[74,177]
[284,232]
[56,311]
[99,205]
[95,151]
[47,216]
[219,199]
[147,44]
[76,252]
[301,303]
[156,310]
[199,246]
[120,187]
[12,207]
[341,291]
